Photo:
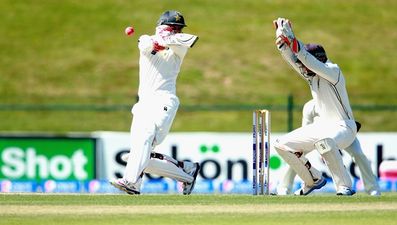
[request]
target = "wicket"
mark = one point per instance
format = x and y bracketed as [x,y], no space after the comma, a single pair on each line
[261,151]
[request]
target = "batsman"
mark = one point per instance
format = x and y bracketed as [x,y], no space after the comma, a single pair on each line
[161,57]
[335,129]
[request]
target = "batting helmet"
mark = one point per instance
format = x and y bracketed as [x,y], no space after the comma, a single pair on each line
[171,17]
[317,51]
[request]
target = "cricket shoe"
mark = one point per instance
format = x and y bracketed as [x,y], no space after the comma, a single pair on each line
[123,185]
[192,169]
[345,191]
[282,191]
[305,190]
[374,193]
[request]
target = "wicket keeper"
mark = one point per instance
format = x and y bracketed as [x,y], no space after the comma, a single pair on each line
[309,115]
[335,129]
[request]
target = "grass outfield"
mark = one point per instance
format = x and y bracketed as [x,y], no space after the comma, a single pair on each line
[32,209]
[75,52]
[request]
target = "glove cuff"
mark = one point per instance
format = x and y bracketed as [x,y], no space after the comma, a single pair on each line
[295,46]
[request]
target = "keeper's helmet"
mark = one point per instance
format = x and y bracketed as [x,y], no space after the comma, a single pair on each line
[172,18]
[317,51]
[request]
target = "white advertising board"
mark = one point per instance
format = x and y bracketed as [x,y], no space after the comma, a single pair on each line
[228,156]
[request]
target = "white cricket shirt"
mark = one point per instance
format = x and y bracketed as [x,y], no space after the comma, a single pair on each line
[327,87]
[158,72]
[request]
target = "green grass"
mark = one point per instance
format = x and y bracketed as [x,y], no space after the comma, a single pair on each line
[325,209]
[75,52]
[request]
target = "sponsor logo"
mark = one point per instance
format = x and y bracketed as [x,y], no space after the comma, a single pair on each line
[18,163]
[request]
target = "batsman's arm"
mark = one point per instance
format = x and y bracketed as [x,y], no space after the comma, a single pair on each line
[180,43]
[181,39]
[145,44]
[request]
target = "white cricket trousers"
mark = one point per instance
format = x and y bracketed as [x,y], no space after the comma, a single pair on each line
[152,120]
[361,160]
[304,139]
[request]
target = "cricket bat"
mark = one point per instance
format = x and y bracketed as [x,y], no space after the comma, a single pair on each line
[183,39]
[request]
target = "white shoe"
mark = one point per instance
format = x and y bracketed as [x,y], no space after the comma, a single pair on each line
[305,190]
[123,185]
[125,157]
[282,191]
[192,169]
[345,191]
[374,193]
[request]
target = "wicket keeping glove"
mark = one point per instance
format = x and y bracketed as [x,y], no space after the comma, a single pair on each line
[278,24]
[284,30]
[280,43]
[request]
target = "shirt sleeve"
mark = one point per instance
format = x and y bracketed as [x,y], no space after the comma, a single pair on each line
[179,50]
[145,44]
[289,57]
[308,113]
[328,71]
[175,45]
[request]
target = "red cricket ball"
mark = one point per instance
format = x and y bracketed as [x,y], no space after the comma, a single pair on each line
[129,31]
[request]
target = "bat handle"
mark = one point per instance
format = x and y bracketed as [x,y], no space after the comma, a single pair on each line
[275,24]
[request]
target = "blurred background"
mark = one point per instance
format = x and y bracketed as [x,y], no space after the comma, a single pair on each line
[67,66]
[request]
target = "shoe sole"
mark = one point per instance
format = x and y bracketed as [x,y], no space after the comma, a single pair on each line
[125,189]
[318,186]
[352,192]
[194,179]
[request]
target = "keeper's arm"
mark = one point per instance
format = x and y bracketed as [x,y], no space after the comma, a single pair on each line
[328,71]
[288,55]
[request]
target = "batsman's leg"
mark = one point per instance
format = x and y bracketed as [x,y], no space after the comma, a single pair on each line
[142,136]
[166,166]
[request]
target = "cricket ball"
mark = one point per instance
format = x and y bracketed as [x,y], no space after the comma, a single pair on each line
[129,31]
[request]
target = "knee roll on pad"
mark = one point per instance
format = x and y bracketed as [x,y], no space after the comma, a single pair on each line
[325,145]
[167,169]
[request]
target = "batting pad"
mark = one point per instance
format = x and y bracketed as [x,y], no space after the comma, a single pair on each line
[167,169]
[330,153]
[164,168]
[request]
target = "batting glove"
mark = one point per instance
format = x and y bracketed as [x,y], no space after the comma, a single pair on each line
[157,47]
[164,31]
